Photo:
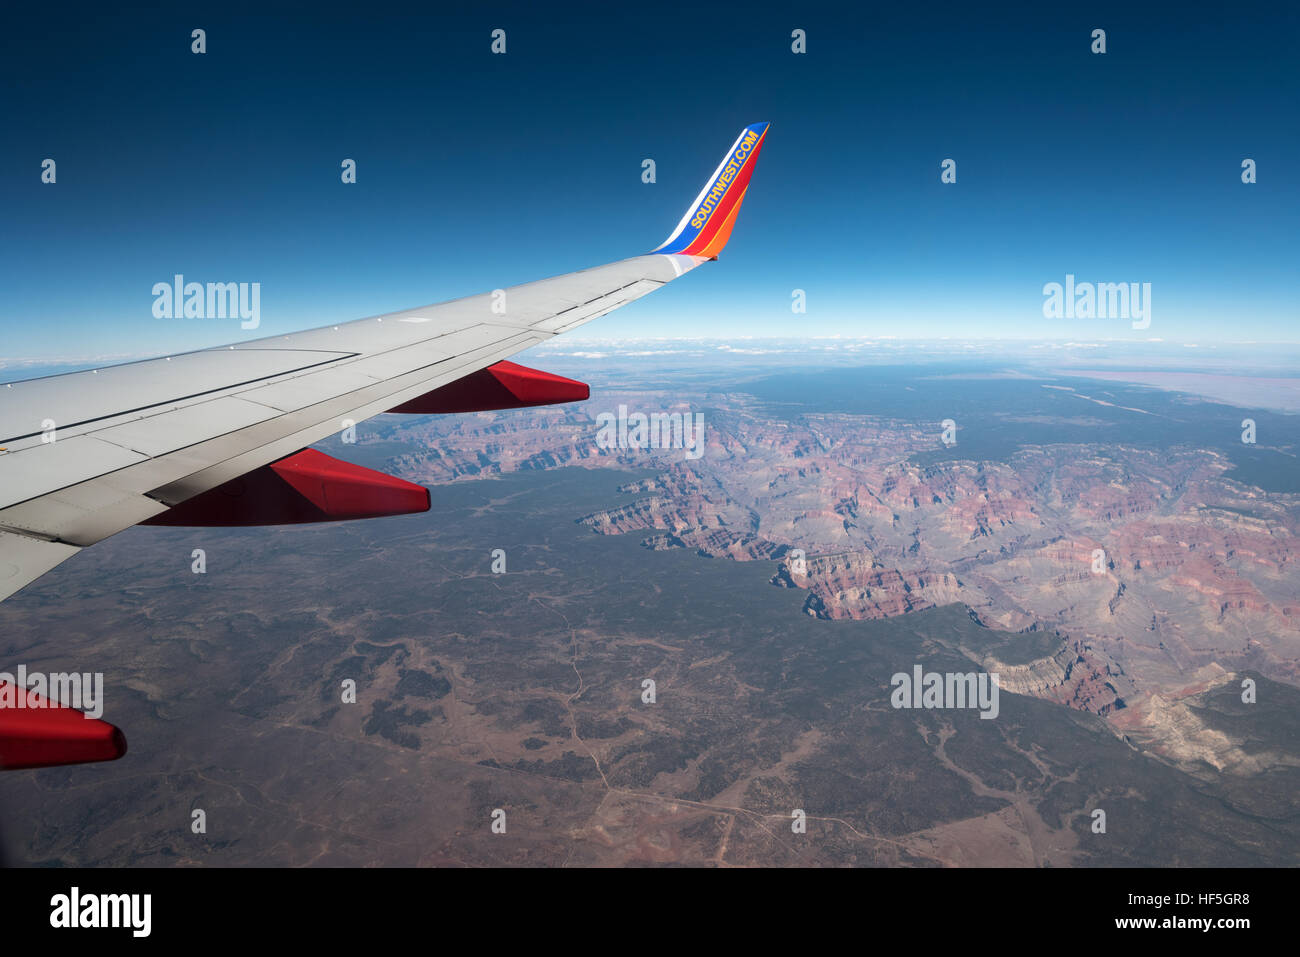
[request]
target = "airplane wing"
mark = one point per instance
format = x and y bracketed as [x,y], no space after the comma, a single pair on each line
[220,436]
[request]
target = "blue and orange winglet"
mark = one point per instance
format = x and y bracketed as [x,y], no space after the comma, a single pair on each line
[705,228]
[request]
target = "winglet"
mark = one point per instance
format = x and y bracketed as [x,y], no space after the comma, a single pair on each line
[705,228]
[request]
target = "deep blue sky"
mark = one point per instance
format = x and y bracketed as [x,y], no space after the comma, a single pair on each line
[478,171]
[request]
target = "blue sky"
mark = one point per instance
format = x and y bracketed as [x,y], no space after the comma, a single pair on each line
[477,171]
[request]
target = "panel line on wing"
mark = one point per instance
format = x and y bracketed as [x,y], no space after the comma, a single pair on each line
[337,357]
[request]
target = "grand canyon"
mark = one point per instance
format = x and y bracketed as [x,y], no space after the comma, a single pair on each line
[1114,552]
